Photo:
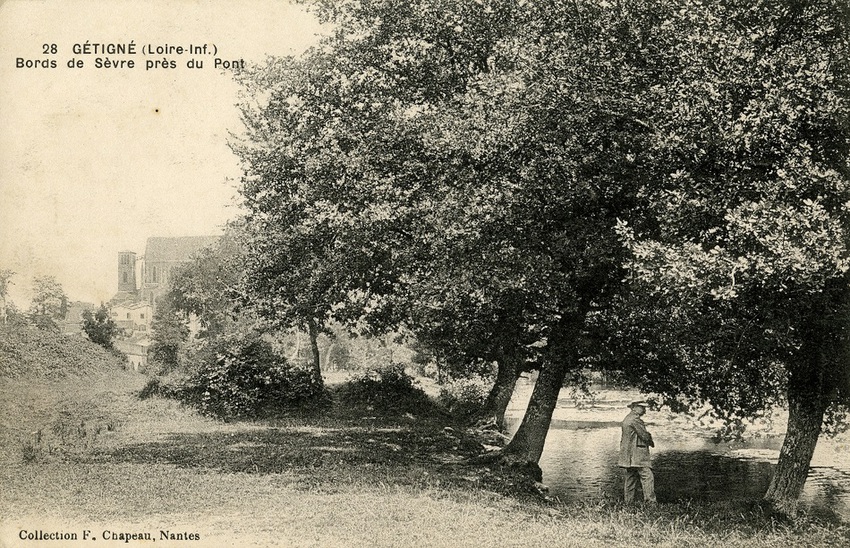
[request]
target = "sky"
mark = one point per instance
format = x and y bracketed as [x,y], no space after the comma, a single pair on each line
[93,161]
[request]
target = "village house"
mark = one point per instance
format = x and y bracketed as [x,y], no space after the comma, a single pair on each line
[132,317]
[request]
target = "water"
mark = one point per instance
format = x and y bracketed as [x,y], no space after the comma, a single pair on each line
[580,459]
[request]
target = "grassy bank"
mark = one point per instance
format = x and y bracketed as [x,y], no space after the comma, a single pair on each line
[31,353]
[109,461]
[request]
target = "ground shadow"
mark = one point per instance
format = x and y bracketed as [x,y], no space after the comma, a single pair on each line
[397,453]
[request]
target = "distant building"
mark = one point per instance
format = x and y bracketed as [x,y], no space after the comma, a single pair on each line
[136,351]
[127,289]
[162,257]
[145,278]
[132,316]
[126,272]
[141,281]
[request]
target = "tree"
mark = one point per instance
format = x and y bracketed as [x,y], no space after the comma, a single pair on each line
[466,333]
[5,282]
[209,287]
[49,302]
[338,185]
[743,281]
[465,170]
[458,169]
[323,227]
[169,330]
[99,326]
[535,161]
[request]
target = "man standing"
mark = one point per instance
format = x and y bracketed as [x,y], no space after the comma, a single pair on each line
[634,454]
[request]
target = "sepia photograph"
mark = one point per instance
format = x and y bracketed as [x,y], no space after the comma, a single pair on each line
[425,273]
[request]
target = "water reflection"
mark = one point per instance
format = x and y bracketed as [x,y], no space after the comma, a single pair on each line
[700,475]
[580,462]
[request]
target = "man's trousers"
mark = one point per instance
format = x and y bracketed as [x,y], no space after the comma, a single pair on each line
[647,481]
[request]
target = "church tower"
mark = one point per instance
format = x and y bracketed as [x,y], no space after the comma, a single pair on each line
[126,272]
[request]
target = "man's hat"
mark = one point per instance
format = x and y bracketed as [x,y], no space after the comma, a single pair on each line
[638,404]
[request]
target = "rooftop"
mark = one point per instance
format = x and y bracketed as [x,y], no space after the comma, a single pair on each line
[176,249]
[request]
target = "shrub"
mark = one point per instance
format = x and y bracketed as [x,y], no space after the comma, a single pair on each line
[45,323]
[99,327]
[174,384]
[387,389]
[239,375]
[25,351]
[463,398]
[154,387]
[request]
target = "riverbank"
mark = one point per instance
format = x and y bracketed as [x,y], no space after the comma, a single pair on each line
[107,461]
[691,461]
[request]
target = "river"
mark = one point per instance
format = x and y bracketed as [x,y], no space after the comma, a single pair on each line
[580,457]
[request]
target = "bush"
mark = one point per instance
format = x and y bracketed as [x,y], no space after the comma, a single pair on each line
[29,352]
[239,375]
[154,387]
[44,322]
[387,389]
[174,384]
[99,327]
[463,398]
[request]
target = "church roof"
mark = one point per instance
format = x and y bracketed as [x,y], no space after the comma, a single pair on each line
[176,249]
[132,305]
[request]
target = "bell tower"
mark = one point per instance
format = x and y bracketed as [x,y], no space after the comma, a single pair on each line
[127,272]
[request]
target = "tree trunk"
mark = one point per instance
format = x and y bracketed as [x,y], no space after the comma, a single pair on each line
[296,349]
[314,347]
[329,353]
[806,408]
[501,393]
[527,444]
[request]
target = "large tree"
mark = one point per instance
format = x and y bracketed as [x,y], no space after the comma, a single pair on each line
[457,168]
[335,185]
[742,286]
[555,132]
[49,302]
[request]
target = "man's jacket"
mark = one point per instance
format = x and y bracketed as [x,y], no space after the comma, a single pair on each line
[634,443]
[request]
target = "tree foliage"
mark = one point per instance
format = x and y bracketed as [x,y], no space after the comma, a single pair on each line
[49,302]
[209,287]
[488,174]
[99,326]
[750,256]
[169,332]
[5,282]
[740,288]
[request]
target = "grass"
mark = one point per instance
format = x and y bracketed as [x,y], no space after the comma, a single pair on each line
[107,460]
